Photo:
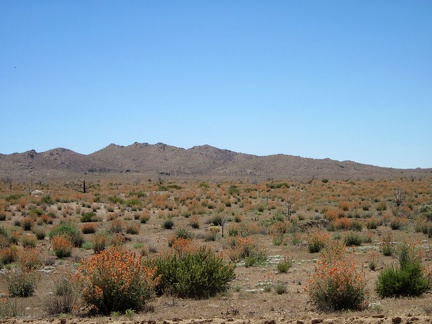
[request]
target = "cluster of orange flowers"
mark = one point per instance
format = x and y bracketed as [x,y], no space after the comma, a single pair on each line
[113,277]
[340,275]
[343,223]
[62,245]
[279,228]
[317,239]
[337,285]
[184,245]
[8,254]
[241,247]
[29,258]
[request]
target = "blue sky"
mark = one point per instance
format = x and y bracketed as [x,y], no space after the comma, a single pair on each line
[346,80]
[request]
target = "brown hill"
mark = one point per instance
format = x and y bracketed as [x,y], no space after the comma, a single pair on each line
[203,161]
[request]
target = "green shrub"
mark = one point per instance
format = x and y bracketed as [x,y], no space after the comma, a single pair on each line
[194,274]
[87,217]
[407,280]
[144,218]
[47,200]
[395,224]
[40,233]
[356,226]
[256,258]
[68,229]
[426,212]
[387,250]
[284,266]
[133,202]
[387,245]
[27,223]
[372,223]
[168,224]
[353,239]
[21,282]
[233,190]
[195,224]
[183,233]
[28,241]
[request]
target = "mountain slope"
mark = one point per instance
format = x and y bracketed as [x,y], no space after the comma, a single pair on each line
[206,161]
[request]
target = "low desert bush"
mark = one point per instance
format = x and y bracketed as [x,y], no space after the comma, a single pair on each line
[372,223]
[68,229]
[88,228]
[65,295]
[88,217]
[317,240]
[194,222]
[387,244]
[397,223]
[407,280]
[27,223]
[353,239]
[8,254]
[133,228]
[336,283]
[20,281]
[29,258]
[168,224]
[115,280]
[280,288]
[116,226]
[100,241]
[40,233]
[28,241]
[145,217]
[9,307]
[373,260]
[62,245]
[284,265]
[192,272]
[245,248]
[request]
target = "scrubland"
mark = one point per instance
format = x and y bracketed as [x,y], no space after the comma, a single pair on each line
[184,251]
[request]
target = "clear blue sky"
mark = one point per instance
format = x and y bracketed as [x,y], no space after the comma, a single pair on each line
[346,80]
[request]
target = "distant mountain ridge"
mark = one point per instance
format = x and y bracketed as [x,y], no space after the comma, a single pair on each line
[203,161]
